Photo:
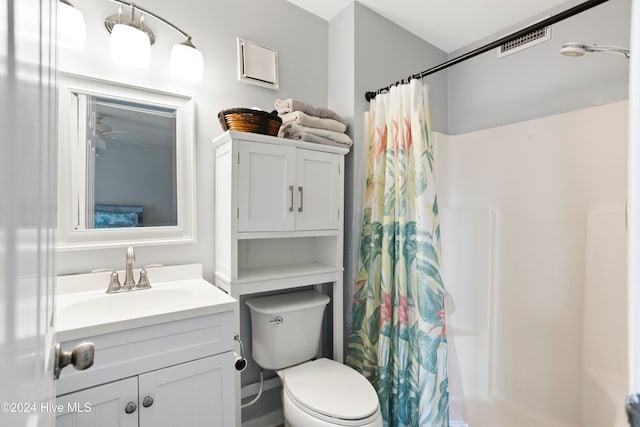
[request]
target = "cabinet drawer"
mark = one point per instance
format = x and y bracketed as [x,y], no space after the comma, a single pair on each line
[131,352]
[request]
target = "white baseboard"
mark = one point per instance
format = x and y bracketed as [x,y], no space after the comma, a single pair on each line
[272,419]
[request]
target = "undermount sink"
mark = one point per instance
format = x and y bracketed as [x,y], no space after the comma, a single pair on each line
[182,294]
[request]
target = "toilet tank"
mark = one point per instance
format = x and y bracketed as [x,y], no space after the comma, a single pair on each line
[285,328]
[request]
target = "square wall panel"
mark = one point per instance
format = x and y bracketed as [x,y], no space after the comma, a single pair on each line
[257,65]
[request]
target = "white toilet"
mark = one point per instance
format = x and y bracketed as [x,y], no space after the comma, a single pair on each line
[315,393]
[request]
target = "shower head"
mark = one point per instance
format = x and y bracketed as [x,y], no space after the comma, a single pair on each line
[579,49]
[573,49]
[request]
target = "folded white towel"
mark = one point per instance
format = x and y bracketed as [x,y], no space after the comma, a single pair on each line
[313,122]
[316,139]
[289,105]
[292,128]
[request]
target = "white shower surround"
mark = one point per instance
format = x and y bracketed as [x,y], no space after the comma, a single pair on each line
[534,255]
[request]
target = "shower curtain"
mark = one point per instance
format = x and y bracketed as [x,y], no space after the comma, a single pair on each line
[397,338]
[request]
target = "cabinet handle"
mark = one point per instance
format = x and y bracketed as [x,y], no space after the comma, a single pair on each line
[147,401]
[130,408]
[301,190]
[291,205]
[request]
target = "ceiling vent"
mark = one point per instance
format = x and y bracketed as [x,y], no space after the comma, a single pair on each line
[530,39]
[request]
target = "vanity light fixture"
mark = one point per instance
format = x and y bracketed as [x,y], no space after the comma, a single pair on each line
[71,27]
[133,46]
[186,62]
[131,40]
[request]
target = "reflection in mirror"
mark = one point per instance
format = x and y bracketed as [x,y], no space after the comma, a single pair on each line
[131,173]
[126,167]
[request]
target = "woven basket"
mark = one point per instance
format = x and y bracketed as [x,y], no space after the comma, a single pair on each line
[247,120]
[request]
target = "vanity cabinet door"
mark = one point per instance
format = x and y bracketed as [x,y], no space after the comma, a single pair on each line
[265,187]
[317,190]
[194,394]
[100,406]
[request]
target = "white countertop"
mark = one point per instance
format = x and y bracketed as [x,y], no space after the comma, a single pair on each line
[84,309]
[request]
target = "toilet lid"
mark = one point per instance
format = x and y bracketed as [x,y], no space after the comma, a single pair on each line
[331,389]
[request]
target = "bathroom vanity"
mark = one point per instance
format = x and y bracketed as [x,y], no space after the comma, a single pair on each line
[163,356]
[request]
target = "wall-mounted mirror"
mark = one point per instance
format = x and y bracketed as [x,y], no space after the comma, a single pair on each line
[125,165]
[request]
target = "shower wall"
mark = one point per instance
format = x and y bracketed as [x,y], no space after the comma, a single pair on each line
[533,234]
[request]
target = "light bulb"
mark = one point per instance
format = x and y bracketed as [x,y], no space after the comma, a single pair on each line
[71,27]
[130,46]
[186,62]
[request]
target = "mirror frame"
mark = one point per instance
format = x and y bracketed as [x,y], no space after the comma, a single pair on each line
[72,157]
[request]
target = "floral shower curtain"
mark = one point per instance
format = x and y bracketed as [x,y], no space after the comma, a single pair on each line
[398,338]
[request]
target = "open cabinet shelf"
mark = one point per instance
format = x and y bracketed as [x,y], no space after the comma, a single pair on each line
[283,271]
[286,235]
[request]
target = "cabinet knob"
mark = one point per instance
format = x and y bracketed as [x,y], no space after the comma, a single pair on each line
[147,401]
[130,408]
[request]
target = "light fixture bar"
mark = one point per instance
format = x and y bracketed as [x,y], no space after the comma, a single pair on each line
[175,27]
[117,18]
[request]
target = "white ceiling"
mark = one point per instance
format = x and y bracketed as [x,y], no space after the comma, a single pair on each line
[447,24]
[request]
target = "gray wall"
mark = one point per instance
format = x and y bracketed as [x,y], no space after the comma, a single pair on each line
[214,27]
[302,42]
[342,94]
[486,91]
[341,64]
[366,52]
[385,53]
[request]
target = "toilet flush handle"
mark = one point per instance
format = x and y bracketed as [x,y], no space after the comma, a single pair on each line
[277,320]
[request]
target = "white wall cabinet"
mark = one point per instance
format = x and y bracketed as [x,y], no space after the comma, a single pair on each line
[278,219]
[278,208]
[173,374]
[284,188]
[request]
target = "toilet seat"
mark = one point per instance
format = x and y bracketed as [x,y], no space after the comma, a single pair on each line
[329,391]
[297,415]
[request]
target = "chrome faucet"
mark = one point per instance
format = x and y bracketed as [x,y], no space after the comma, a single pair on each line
[129,283]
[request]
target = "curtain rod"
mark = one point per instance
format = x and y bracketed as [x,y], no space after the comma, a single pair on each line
[489,46]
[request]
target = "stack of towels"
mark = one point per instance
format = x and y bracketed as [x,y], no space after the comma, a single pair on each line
[312,124]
